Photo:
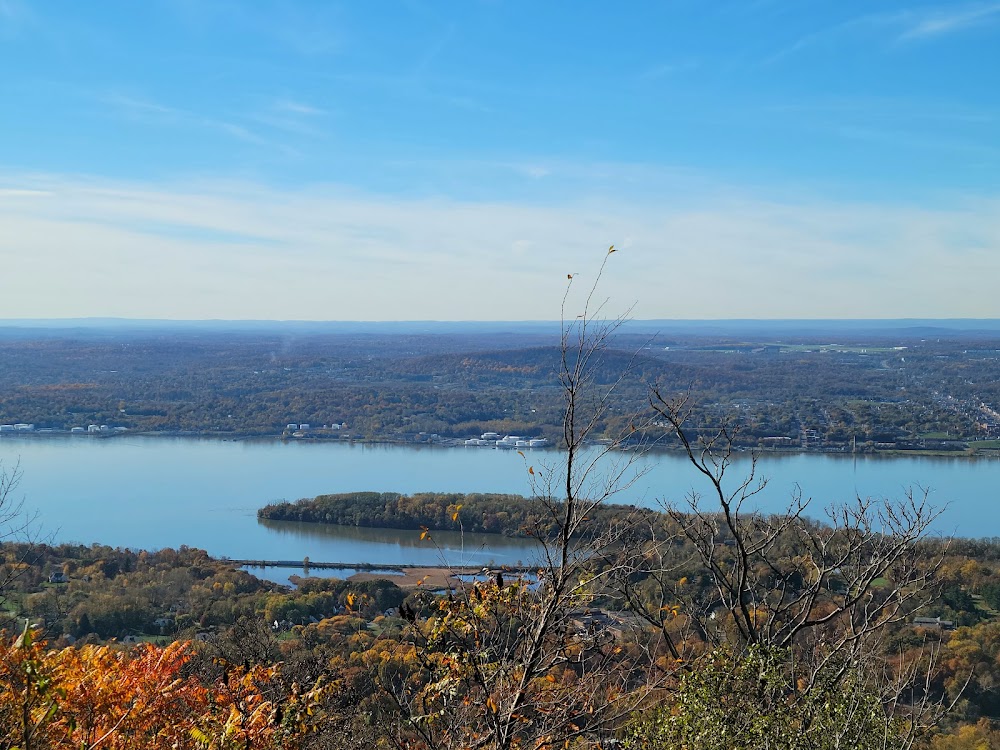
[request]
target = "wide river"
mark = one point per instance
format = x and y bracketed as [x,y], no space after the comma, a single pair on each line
[154,492]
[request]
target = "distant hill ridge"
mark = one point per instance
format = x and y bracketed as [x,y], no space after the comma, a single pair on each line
[907,327]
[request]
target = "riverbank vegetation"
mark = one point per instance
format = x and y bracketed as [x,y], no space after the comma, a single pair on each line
[509,515]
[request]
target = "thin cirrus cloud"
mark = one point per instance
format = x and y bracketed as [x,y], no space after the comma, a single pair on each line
[241,250]
[297,108]
[947,20]
[293,117]
[150,111]
[897,27]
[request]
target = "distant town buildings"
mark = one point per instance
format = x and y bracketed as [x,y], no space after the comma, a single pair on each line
[22,427]
[306,429]
[493,440]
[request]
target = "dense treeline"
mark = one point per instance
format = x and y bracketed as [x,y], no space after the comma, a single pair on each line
[100,592]
[510,515]
[342,632]
[969,585]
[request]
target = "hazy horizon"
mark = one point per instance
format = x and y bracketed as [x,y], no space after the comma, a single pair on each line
[908,327]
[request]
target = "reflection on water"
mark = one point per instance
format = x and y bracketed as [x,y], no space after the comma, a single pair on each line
[150,493]
[284,575]
[401,547]
[449,540]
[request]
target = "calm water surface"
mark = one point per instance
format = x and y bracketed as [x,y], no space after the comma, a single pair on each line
[164,492]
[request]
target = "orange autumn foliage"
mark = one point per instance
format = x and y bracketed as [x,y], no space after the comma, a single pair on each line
[111,698]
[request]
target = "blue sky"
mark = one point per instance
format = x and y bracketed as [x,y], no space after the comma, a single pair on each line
[455,160]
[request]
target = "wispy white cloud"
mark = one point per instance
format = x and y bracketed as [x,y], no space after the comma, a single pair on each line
[888,28]
[946,20]
[237,131]
[433,50]
[293,117]
[534,171]
[297,108]
[142,108]
[138,106]
[241,250]
[23,193]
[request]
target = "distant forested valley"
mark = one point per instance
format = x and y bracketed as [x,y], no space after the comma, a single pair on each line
[922,390]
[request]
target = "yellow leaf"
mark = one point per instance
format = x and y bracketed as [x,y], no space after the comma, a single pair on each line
[531,469]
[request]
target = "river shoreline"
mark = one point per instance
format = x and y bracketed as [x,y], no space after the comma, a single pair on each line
[158,491]
[972,452]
